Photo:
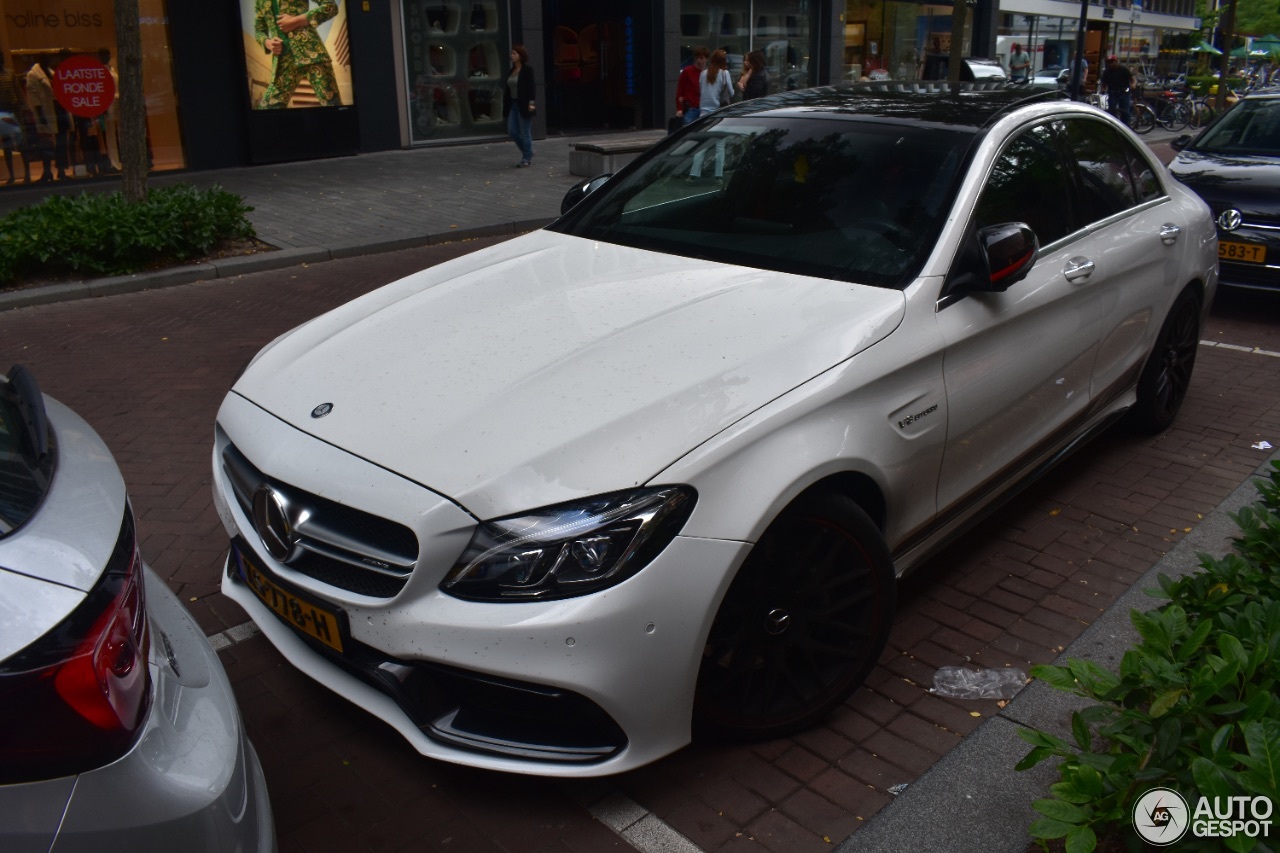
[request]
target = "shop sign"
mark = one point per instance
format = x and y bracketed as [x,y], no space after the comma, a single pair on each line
[84,86]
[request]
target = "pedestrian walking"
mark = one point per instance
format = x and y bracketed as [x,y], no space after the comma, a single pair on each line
[519,103]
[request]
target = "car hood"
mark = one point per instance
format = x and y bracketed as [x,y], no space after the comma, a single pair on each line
[552,367]
[1250,183]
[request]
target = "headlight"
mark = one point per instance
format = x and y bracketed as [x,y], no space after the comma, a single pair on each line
[570,549]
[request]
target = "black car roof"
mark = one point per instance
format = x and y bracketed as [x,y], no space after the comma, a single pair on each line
[971,105]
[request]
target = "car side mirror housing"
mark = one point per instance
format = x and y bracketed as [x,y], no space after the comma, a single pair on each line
[1181,142]
[1010,250]
[581,190]
[992,260]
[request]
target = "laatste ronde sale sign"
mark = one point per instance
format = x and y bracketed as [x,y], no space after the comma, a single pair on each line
[84,86]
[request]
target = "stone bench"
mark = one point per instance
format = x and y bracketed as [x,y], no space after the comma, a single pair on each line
[588,159]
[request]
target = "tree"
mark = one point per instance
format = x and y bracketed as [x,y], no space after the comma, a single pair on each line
[1224,62]
[133,115]
[1258,19]
[959,11]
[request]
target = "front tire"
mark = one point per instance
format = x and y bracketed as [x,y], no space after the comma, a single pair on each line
[801,625]
[1167,374]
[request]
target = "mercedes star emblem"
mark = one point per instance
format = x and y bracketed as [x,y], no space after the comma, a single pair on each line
[321,410]
[271,520]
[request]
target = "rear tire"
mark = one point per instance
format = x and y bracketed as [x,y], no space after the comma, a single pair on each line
[1167,374]
[801,625]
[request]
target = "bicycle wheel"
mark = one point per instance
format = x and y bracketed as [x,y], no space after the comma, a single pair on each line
[1201,114]
[1143,119]
[1176,116]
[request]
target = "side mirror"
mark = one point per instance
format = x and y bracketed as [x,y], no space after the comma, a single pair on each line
[1181,142]
[581,190]
[1010,250]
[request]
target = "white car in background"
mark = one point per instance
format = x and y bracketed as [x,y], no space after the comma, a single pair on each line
[553,506]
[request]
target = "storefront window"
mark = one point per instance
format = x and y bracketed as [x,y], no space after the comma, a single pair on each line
[897,41]
[780,29]
[298,64]
[456,55]
[63,125]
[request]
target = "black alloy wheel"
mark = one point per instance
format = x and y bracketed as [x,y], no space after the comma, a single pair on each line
[1167,374]
[801,625]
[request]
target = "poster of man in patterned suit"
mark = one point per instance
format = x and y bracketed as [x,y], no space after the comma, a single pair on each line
[287,32]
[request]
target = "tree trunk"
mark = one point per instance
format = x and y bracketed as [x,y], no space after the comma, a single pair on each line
[958,13]
[133,114]
[1228,31]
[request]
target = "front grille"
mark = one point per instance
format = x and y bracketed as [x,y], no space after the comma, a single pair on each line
[338,545]
[1249,275]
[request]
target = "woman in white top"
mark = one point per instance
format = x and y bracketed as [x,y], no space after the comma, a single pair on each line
[717,91]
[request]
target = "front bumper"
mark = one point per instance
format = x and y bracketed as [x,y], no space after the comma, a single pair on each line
[580,687]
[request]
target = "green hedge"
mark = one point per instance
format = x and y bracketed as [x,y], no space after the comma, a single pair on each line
[1195,706]
[99,234]
[1202,85]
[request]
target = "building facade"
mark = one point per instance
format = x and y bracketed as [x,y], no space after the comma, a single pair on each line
[259,81]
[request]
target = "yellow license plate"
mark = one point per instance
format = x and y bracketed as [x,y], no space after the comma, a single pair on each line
[310,619]
[1249,253]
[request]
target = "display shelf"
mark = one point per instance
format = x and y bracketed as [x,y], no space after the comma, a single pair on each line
[483,62]
[443,19]
[484,105]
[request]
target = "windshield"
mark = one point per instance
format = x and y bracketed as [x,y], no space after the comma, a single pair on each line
[1252,127]
[856,201]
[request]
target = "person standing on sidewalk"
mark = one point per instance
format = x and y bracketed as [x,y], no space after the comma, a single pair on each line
[688,95]
[519,103]
[715,90]
[1019,64]
[1115,82]
[754,82]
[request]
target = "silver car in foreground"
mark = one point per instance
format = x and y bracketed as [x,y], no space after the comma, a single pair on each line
[118,727]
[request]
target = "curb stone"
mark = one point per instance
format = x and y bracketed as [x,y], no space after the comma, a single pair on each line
[972,800]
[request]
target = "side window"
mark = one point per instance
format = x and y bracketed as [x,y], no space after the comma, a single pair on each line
[1028,184]
[1113,176]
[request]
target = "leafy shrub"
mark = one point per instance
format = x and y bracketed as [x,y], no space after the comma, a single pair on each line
[1202,85]
[105,235]
[1195,706]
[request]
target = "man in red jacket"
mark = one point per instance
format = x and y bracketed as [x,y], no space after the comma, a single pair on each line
[688,92]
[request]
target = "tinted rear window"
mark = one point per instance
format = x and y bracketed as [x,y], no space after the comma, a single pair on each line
[24,479]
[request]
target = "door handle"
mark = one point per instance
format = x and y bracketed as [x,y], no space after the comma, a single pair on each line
[1169,233]
[1078,269]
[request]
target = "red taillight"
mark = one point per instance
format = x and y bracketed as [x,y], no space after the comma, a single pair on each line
[105,680]
[75,699]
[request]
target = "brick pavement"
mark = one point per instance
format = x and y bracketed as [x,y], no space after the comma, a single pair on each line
[149,369]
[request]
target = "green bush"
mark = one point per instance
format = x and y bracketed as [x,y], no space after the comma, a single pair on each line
[1195,706]
[105,235]
[1202,85]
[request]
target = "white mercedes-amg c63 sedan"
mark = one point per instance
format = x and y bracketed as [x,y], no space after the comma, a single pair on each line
[555,506]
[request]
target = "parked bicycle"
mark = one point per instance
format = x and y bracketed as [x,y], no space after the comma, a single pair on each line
[1170,111]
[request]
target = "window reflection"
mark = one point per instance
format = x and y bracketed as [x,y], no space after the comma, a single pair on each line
[48,139]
